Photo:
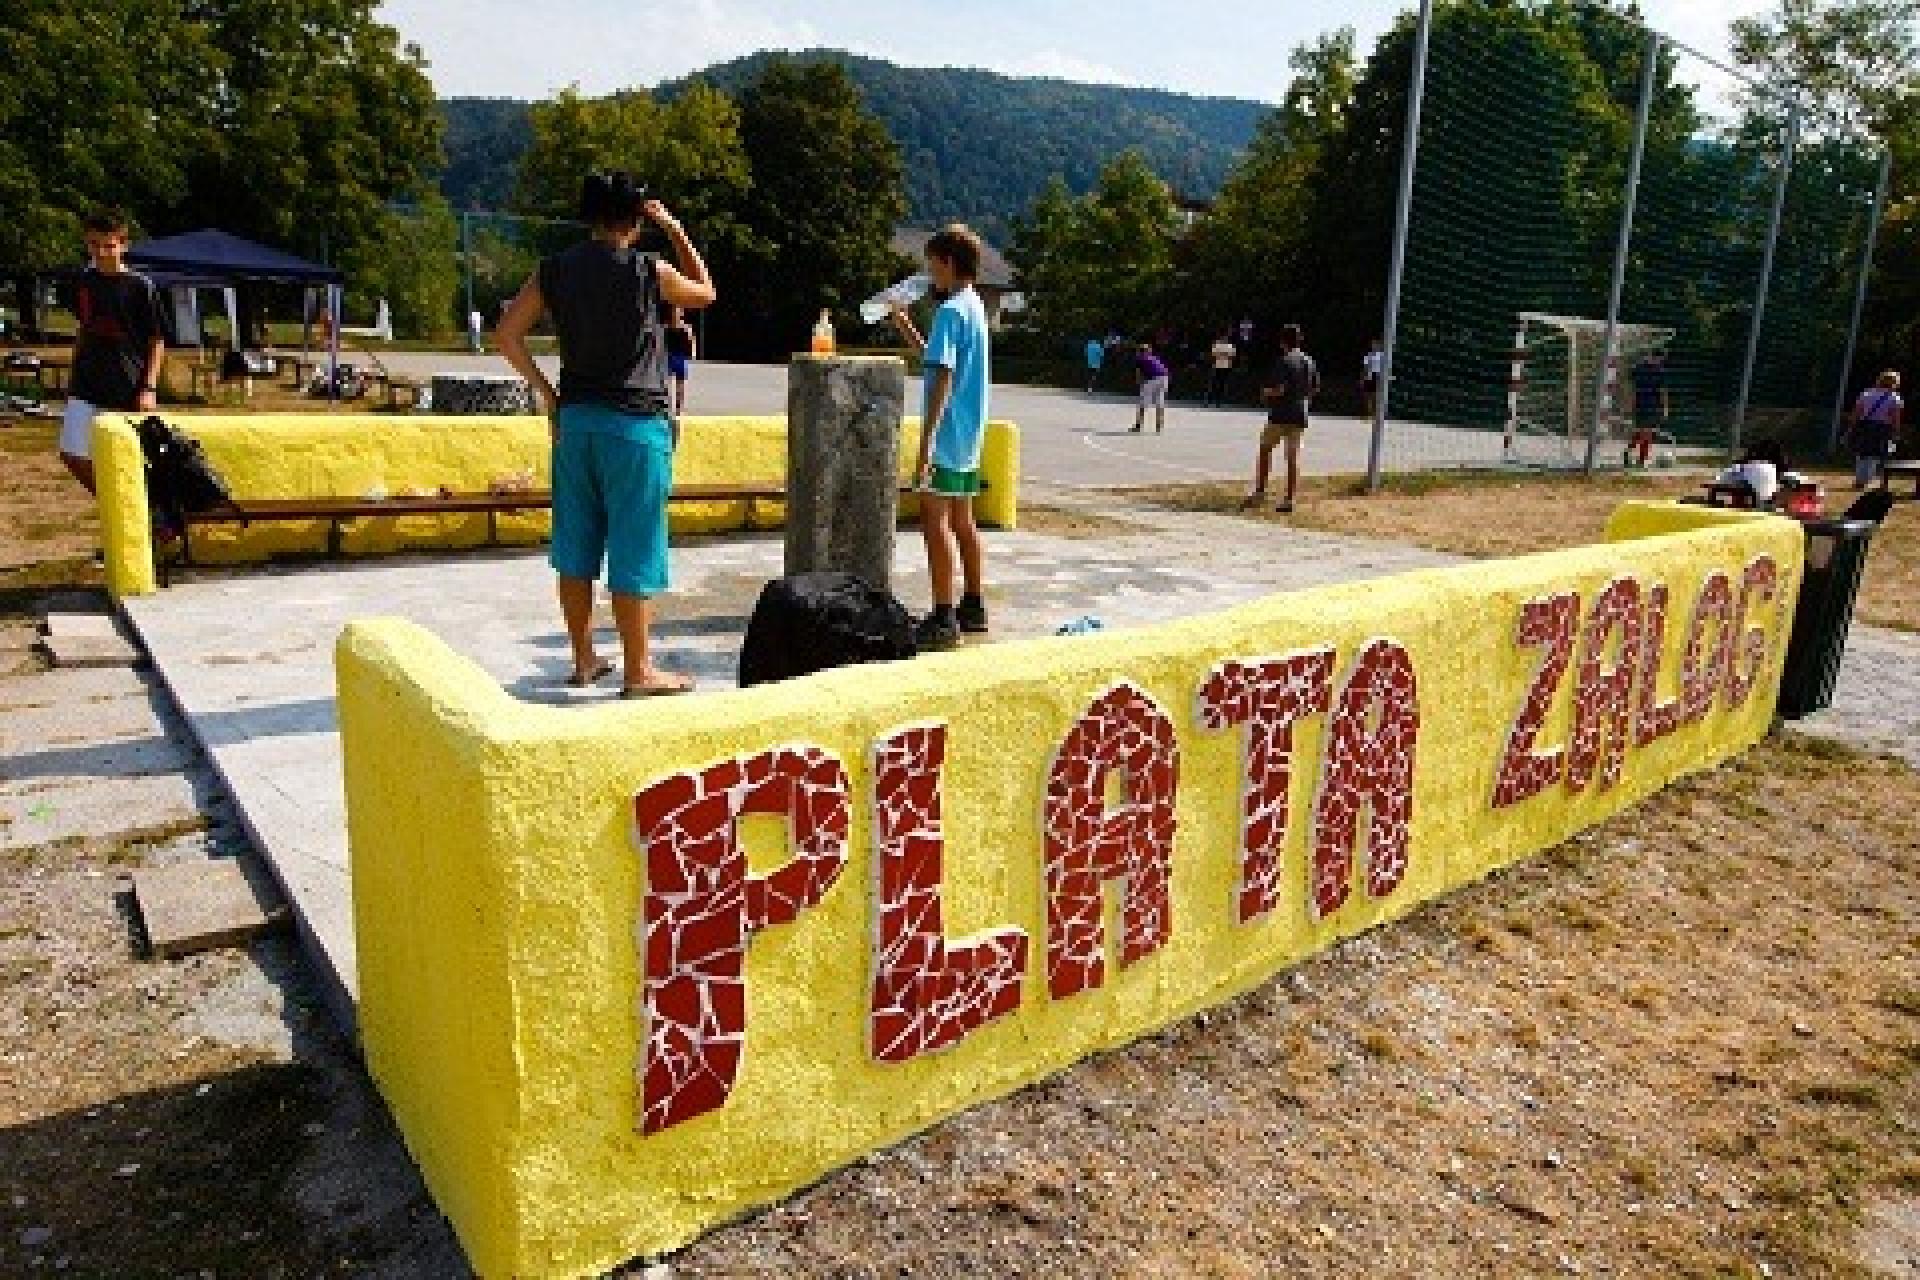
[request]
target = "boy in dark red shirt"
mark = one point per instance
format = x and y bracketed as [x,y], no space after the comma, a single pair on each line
[118,348]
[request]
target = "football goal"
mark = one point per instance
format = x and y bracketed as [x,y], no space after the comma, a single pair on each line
[1553,380]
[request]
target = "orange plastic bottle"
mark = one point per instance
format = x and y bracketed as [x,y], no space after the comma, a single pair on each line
[823,344]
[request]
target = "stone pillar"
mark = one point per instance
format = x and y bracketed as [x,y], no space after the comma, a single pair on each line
[843,463]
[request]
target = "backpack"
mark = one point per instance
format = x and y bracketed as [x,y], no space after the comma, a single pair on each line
[813,621]
[180,480]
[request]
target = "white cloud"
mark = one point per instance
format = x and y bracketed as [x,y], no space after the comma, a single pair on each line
[509,48]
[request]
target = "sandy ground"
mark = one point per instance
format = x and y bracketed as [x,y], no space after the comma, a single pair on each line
[1685,1044]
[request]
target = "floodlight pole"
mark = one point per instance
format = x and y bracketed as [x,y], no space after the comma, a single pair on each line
[1402,214]
[1860,298]
[1766,279]
[1623,247]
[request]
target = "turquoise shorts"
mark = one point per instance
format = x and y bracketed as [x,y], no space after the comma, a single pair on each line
[612,473]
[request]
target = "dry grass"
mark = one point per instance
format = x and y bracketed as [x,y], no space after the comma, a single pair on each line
[1684,1044]
[48,530]
[1502,515]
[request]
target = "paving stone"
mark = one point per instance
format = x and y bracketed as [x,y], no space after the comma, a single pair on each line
[202,906]
[98,810]
[72,686]
[80,723]
[94,626]
[69,651]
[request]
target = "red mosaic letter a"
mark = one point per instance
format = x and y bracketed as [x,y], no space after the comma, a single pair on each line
[1369,766]
[1087,844]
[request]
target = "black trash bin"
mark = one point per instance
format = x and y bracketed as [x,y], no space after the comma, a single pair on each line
[1836,557]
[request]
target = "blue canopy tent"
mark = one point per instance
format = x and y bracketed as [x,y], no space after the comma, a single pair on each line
[215,258]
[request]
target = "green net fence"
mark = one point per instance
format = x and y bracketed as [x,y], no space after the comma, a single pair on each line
[1528,130]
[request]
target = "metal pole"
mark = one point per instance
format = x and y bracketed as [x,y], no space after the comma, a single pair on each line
[1403,211]
[466,256]
[1629,204]
[1860,298]
[1766,279]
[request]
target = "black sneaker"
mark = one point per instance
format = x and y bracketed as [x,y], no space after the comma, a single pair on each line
[935,634]
[972,615]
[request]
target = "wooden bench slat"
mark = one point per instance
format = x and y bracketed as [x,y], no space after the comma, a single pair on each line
[270,509]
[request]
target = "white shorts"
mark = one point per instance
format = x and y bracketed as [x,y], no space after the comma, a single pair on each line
[1153,393]
[76,429]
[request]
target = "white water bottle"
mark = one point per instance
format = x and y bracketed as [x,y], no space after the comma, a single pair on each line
[901,293]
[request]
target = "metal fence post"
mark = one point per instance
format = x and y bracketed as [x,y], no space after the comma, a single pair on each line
[466,259]
[1629,205]
[1403,210]
[1860,298]
[1766,279]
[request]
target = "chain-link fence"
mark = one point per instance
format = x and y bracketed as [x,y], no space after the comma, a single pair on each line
[1607,240]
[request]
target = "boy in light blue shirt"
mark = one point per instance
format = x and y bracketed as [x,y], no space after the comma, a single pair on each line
[954,425]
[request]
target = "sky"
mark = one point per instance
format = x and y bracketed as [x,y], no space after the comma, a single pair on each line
[1231,48]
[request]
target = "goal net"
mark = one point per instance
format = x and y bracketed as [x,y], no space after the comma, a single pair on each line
[1554,378]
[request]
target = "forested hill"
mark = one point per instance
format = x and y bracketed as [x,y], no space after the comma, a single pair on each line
[977,144]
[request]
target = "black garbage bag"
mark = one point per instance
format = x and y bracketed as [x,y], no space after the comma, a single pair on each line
[179,477]
[813,621]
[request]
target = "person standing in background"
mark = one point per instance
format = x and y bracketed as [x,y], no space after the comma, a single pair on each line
[1223,354]
[613,438]
[681,348]
[1289,395]
[1096,357]
[1651,407]
[118,345]
[1372,365]
[1154,379]
[1875,422]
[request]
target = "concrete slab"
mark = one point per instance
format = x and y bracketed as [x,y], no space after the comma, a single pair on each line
[99,626]
[206,905]
[248,656]
[73,687]
[76,724]
[87,809]
[68,651]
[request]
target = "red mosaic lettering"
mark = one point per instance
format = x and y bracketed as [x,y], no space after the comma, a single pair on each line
[928,993]
[1655,719]
[702,905]
[1761,580]
[1550,622]
[1704,669]
[1369,762]
[1087,844]
[1602,694]
[1268,697]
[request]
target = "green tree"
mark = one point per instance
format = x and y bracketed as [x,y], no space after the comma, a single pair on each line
[323,117]
[89,117]
[827,196]
[688,151]
[412,260]
[1100,263]
[1855,69]
[1246,257]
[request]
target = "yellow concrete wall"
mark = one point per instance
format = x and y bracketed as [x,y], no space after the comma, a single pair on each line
[498,885]
[350,455]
